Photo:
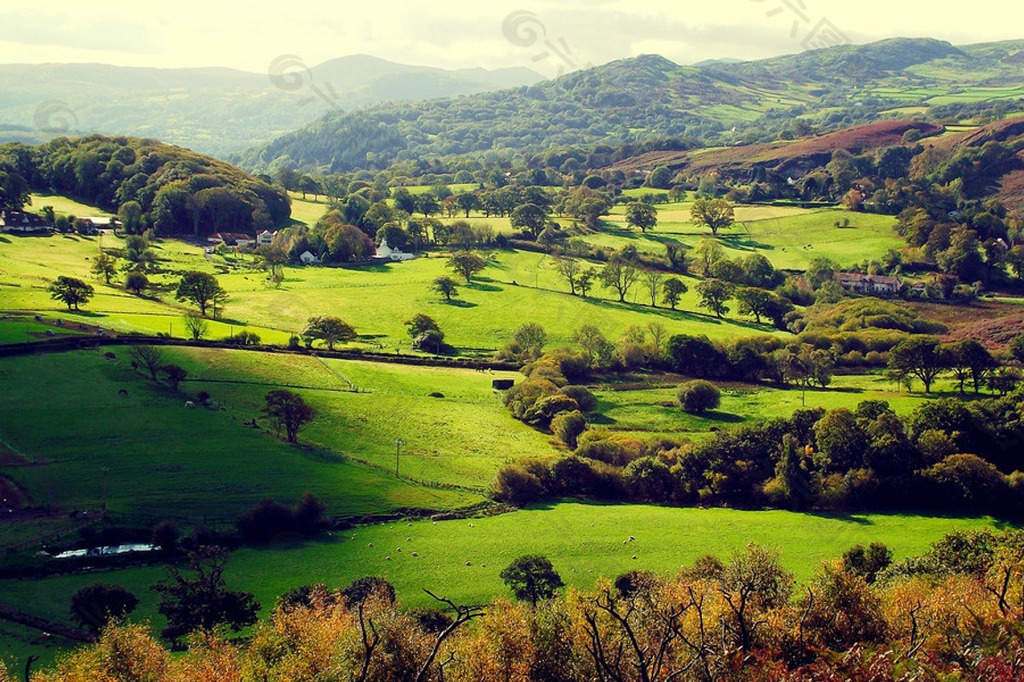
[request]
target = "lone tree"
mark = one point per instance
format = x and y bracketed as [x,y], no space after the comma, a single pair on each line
[467,264]
[201,289]
[698,396]
[196,326]
[202,601]
[288,412]
[73,292]
[673,289]
[642,215]
[330,330]
[148,358]
[713,213]
[175,374]
[425,333]
[713,295]
[529,217]
[105,266]
[532,578]
[136,282]
[94,606]
[446,286]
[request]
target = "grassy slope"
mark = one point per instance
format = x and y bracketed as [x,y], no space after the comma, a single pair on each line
[166,460]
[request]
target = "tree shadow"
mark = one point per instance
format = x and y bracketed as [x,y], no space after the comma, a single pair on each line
[4,240]
[458,303]
[477,285]
[721,417]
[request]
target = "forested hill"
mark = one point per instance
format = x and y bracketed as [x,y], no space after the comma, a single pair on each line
[651,98]
[216,110]
[151,184]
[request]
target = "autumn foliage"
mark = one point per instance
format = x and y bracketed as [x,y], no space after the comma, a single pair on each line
[954,612]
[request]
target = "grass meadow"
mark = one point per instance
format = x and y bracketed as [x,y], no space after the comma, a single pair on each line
[462,559]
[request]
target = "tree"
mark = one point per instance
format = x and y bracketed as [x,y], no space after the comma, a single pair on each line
[136,282]
[528,340]
[698,396]
[201,289]
[202,601]
[196,326]
[330,330]
[426,204]
[570,269]
[1017,347]
[652,280]
[426,334]
[968,360]
[712,213]
[94,606]
[619,275]
[288,411]
[713,295]
[754,301]
[105,266]
[529,217]
[73,292]
[842,441]
[673,289]
[532,578]
[598,348]
[149,358]
[466,201]
[707,252]
[660,178]
[467,264]
[131,217]
[642,215]
[821,270]
[917,356]
[175,375]
[446,286]
[585,281]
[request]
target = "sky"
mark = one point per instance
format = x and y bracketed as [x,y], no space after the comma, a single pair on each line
[547,36]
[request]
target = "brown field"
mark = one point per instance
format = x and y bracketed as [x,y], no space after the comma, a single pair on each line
[992,323]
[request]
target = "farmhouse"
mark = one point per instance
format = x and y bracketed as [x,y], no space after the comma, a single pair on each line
[308,258]
[231,239]
[265,237]
[101,223]
[385,252]
[18,221]
[869,284]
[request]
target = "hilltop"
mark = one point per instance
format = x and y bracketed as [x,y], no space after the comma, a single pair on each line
[650,98]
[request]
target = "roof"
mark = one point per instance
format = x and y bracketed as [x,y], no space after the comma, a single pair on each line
[885,280]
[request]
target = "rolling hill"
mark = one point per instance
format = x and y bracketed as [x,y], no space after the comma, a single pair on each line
[216,110]
[649,98]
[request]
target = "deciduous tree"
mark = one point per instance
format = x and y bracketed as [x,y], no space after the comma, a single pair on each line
[201,289]
[288,411]
[329,329]
[71,291]
[715,214]
[532,578]
[467,264]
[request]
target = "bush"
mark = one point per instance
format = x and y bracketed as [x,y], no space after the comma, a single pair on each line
[699,396]
[568,426]
[614,449]
[547,408]
[264,522]
[583,397]
[514,485]
[244,338]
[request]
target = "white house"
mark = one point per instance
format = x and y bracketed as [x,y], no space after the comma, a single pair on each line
[308,258]
[17,221]
[385,252]
[265,237]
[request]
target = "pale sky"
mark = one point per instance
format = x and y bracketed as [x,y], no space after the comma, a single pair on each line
[459,33]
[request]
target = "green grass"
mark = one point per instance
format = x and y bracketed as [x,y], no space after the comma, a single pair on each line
[65,206]
[462,559]
[654,411]
[788,236]
[165,460]
[375,300]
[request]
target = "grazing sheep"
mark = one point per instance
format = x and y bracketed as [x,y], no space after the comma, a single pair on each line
[408,539]
[469,563]
[634,556]
[370,545]
[387,558]
[189,404]
[632,539]
[415,554]
[398,549]
[123,393]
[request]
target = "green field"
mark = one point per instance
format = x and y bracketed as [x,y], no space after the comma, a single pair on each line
[788,236]
[654,411]
[65,206]
[461,559]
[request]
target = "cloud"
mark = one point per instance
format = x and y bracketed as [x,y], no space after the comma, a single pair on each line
[458,33]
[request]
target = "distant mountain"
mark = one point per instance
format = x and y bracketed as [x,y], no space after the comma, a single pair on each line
[719,103]
[217,110]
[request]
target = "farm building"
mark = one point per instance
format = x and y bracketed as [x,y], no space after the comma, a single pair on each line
[308,258]
[265,237]
[231,239]
[869,284]
[18,221]
[385,252]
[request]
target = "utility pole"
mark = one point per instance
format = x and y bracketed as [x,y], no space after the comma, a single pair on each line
[104,471]
[398,451]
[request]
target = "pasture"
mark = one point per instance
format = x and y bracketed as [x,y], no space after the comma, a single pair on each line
[462,559]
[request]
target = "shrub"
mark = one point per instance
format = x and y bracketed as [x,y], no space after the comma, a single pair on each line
[515,485]
[699,396]
[547,408]
[583,397]
[568,426]
[265,521]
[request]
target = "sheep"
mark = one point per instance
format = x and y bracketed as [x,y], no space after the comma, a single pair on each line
[123,393]
[370,545]
[415,554]
[387,558]
[469,563]
[189,404]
